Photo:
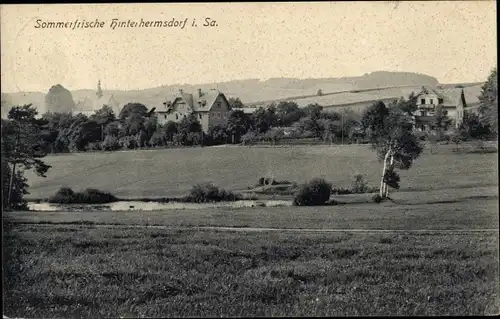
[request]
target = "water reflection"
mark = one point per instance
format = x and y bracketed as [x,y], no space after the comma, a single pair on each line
[150,206]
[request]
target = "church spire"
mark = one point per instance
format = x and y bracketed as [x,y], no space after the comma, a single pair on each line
[99,90]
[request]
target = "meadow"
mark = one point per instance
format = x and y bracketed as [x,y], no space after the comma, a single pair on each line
[172,172]
[431,250]
[87,272]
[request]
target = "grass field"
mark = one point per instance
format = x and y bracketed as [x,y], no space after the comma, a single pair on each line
[80,271]
[172,172]
[433,250]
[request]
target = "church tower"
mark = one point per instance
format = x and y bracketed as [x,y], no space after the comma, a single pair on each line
[99,90]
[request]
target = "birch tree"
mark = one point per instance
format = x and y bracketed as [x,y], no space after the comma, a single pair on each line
[391,134]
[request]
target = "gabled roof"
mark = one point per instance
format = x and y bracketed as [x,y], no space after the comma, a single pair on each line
[197,103]
[94,104]
[451,96]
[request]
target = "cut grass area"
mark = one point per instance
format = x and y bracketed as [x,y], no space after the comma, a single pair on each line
[172,173]
[77,271]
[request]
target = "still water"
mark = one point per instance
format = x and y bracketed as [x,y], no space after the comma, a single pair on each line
[150,206]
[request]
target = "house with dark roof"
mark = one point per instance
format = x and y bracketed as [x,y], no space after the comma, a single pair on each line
[211,108]
[452,100]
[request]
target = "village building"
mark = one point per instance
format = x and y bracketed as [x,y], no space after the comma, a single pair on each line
[211,108]
[451,100]
[89,105]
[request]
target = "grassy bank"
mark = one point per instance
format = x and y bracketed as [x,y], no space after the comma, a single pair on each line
[446,209]
[78,271]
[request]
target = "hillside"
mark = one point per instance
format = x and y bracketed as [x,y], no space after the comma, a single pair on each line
[250,91]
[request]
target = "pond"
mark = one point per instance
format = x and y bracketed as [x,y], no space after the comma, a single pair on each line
[150,206]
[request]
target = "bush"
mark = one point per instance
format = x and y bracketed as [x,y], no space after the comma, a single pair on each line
[111,143]
[263,181]
[341,191]
[377,198]
[315,192]
[129,142]
[94,146]
[203,193]
[422,136]
[66,195]
[359,185]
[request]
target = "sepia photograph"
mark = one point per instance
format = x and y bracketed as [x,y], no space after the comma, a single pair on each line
[254,159]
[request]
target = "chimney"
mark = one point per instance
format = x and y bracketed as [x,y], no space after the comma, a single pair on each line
[200,93]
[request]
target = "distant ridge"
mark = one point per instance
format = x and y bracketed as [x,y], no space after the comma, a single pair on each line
[250,91]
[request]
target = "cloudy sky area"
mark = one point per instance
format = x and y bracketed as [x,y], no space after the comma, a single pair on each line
[452,41]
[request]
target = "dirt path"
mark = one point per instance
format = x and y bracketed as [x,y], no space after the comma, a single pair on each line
[258,229]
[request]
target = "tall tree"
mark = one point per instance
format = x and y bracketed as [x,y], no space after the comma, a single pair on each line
[133,108]
[391,135]
[103,116]
[313,110]
[190,130]
[488,108]
[264,119]
[22,144]
[473,127]
[408,106]
[132,118]
[238,123]
[441,121]
[288,112]
[235,103]
[59,99]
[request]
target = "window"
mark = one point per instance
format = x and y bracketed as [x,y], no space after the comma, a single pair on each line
[432,101]
[176,116]
[422,101]
[200,116]
[165,116]
[440,100]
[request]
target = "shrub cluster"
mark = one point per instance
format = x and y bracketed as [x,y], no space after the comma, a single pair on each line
[66,195]
[316,192]
[358,186]
[377,198]
[208,192]
[263,181]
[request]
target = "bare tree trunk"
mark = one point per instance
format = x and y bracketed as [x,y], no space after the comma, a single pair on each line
[11,182]
[382,183]
[391,167]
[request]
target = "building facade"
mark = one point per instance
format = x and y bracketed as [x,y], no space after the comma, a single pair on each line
[90,104]
[211,108]
[452,101]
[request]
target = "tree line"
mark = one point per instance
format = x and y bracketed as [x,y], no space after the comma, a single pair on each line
[136,126]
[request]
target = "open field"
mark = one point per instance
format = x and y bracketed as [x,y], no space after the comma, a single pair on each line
[433,250]
[172,172]
[81,271]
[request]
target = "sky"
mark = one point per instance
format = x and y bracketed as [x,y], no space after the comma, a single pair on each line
[452,41]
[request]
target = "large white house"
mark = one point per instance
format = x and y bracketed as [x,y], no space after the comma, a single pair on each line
[211,107]
[451,100]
